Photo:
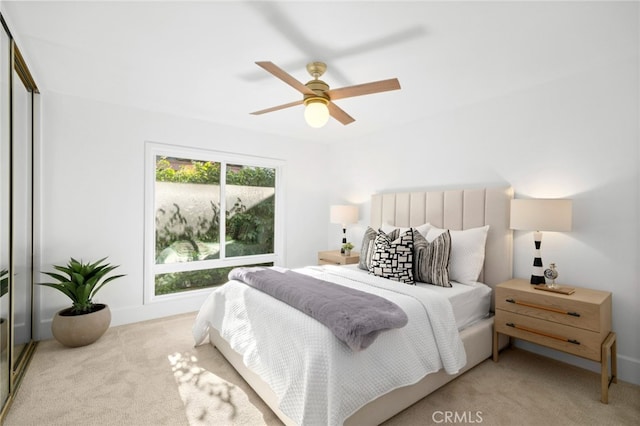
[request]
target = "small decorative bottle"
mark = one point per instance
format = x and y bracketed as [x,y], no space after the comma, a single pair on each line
[551,274]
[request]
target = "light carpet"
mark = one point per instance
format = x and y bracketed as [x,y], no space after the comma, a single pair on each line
[150,373]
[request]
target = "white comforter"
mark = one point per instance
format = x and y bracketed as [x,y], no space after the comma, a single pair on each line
[317,378]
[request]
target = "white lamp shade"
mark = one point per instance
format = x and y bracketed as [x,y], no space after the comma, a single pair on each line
[344,214]
[316,114]
[541,215]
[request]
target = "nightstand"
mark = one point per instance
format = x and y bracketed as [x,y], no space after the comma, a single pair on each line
[334,257]
[578,324]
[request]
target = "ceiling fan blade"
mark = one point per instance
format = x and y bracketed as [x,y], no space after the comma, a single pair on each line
[285,76]
[339,114]
[276,108]
[364,89]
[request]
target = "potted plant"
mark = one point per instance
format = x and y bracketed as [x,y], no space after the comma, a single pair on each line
[347,247]
[84,322]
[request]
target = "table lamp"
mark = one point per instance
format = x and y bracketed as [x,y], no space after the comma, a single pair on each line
[344,215]
[540,215]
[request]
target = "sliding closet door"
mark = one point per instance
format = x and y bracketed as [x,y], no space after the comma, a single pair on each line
[5,216]
[17,94]
[22,224]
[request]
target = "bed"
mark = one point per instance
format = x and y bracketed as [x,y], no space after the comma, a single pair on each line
[304,385]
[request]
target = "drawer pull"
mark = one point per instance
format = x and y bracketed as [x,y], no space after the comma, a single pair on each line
[544,308]
[542,333]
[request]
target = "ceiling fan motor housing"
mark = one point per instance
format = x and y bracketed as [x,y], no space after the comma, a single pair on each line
[320,88]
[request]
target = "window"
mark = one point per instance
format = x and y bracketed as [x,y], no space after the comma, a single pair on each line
[206,213]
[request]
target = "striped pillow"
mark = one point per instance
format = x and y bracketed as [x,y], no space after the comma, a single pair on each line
[367,248]
[393,259]
[431,259]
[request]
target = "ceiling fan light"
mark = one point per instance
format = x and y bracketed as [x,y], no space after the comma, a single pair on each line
[316,113]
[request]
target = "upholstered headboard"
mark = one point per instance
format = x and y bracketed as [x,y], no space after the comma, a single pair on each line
[456,209]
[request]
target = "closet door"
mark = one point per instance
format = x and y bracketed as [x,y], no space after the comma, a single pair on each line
[5,215]
[17,94]
[22,223]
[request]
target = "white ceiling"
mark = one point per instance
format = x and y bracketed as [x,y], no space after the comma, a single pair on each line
[196,59]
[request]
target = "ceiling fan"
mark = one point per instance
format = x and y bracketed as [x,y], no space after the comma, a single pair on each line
[318,98]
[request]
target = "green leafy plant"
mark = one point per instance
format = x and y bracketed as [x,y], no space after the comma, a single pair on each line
[347,246]
[82,282]
[208,172]
[254,225]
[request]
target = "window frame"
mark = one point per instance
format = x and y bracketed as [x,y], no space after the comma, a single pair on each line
[151,269]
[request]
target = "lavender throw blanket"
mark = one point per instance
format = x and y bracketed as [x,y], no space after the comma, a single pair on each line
[354,316]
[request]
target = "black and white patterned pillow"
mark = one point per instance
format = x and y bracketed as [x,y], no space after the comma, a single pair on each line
[431,259]
[367,248]
[393,259]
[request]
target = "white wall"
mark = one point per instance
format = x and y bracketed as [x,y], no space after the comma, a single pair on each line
[92,195]
[574,137]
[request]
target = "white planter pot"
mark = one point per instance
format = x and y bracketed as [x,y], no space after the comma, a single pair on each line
[80,330]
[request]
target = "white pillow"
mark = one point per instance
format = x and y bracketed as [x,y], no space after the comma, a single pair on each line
[467,252]
[423,229]
[387,229]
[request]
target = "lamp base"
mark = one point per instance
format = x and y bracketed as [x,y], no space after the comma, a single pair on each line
[537,279]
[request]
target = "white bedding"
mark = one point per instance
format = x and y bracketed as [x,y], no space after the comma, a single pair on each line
[316,377]
[470,302]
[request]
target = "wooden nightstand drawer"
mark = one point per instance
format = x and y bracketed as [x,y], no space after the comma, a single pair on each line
[557,308]
[573,340]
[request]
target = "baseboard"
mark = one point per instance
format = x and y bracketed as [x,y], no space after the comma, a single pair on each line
[628,368]
[130,315]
